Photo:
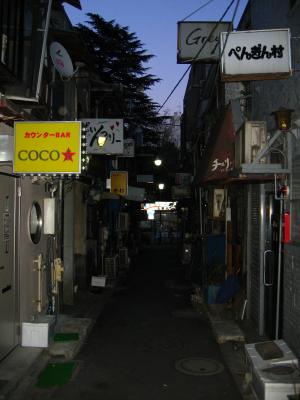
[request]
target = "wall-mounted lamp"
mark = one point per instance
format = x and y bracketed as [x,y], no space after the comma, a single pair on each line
[161,186]
[283,118]
[101,141]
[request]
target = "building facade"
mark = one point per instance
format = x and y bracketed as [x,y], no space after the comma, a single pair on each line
[253,215]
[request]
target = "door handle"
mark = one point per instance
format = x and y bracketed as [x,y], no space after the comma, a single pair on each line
[265,277]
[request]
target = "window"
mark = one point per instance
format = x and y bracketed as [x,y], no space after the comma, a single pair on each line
[21,35]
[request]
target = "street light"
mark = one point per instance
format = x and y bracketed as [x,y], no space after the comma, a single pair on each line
[161,186]
[158,162]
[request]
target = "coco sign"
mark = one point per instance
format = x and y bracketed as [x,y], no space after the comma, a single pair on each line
[47,148]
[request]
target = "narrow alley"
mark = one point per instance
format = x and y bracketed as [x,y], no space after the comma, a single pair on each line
[148,343]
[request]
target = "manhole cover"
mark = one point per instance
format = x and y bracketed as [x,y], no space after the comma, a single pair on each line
[198,366]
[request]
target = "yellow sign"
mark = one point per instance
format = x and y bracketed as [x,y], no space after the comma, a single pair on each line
[47,147]
[119,183]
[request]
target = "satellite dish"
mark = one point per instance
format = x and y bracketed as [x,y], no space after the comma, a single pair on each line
[61,60]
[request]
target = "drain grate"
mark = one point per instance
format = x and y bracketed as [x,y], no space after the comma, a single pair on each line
[198,366]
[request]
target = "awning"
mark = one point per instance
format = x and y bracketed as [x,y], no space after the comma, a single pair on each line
[9,112]
[219,160]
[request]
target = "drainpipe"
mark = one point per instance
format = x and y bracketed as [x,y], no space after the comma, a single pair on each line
[279,273]
[43,52]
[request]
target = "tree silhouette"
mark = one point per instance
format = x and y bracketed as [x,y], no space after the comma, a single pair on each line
[119,58]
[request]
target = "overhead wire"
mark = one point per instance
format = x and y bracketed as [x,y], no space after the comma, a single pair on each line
[198,9]
[225,42]
[202,47]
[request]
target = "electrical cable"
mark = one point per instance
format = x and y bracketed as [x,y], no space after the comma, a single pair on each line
[198,9]
[225,43]
[200,50]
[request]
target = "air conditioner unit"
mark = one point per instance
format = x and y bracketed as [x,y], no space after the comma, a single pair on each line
[111,267]
[274,370]
[123,222]
[249,140]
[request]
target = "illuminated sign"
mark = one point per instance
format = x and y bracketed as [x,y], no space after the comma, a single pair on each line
[119,183]
[47,147]
[255,55]
[111,131]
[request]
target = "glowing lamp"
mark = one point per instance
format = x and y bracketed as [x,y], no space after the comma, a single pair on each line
[101,141]
[283,118]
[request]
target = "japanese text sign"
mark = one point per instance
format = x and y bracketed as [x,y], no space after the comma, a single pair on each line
[47,147]
[199,41]
[110,129]
[254,55]
[221,161]
[119,183]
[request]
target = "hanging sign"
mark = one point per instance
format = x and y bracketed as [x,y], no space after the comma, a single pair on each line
[47,147]
[108,130]
[193,35]
[119,183]
[255,55]
[129,147]
[135,194]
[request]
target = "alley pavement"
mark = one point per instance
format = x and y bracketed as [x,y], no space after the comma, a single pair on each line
[148,343]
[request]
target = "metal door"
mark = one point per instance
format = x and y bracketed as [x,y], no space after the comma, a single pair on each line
[7,265]
[270,262]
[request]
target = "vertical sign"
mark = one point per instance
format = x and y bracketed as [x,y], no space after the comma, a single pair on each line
[119,183]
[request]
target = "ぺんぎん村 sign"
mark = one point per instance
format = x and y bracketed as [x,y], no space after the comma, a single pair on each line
[47,147]
[255,55]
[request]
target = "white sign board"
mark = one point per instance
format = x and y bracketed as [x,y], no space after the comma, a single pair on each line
[144,178]
[193,35]
[255,55]
[110,129]
[135,194]
[128,148]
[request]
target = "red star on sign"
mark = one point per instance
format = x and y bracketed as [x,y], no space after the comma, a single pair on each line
[68,155]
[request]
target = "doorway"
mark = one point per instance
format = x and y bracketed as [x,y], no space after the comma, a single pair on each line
[270,265]
[7,265]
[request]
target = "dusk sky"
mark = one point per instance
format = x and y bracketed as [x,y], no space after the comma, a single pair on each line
[155,24]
